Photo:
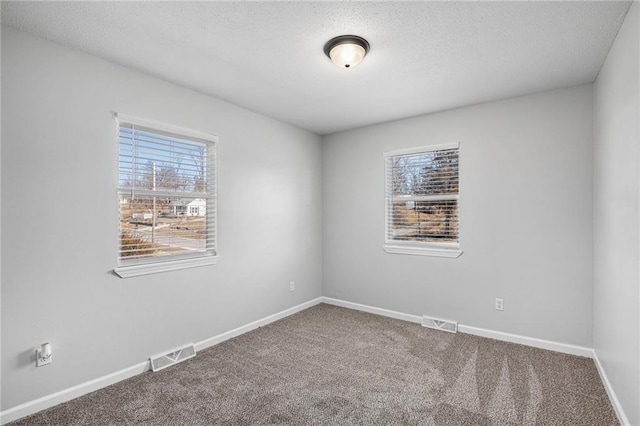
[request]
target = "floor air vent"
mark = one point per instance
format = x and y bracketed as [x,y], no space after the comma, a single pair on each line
[440,324]
[159,362]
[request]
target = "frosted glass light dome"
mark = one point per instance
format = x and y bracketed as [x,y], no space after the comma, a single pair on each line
[346,51]
[347,55]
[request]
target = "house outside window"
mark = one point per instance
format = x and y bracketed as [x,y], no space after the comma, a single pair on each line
[167,197]
[422,201]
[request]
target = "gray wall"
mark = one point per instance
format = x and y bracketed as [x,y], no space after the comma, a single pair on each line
[60,226]
[617,216]
[526,218]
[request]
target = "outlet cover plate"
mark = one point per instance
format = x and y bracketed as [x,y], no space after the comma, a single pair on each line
[40,362]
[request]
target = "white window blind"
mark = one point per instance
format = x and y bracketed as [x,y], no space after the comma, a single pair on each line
[422,195]
[167,193]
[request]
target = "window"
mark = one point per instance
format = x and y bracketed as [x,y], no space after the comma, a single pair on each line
[422,194]
[167,192]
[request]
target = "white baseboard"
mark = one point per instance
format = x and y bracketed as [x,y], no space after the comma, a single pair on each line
[48,401]
[497,335]
[68,394]
[256,324]
[372,310]
[617,407]
[528,341]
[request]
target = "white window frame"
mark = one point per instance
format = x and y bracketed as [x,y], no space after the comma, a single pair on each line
[450,250]
[127,269]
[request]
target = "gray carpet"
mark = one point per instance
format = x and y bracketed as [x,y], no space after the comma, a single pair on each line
[330,365]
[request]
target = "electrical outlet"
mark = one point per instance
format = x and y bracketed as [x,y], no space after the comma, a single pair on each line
[292,286]
[499,304]
[43,355]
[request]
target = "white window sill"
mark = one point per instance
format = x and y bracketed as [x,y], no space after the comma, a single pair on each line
[423,251]
[172,265]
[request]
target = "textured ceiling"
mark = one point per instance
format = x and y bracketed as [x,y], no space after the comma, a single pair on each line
[267,56]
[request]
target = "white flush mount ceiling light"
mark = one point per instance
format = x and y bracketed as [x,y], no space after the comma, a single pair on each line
[346,51]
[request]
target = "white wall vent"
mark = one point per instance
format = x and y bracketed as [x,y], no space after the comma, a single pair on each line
[175,356]
[440,324]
